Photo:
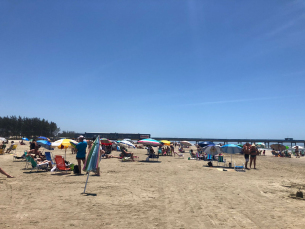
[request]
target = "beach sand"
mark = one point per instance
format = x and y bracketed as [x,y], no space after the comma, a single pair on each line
[171,193]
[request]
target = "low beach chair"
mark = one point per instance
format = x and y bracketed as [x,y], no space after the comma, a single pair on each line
[15,157]
[61,165]
[180,155]
[221,160]
[43,166]
[240,168]
[208,157]
[49,157]
[199,157]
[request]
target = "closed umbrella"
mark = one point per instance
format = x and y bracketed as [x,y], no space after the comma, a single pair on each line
[231,149]
[93,159]
[150,142]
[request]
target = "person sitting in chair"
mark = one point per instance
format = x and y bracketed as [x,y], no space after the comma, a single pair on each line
[11,147]
[192,153]
[125,153]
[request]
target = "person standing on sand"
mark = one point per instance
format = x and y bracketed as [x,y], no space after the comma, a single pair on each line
[246,151]
[253,153]
[81,153]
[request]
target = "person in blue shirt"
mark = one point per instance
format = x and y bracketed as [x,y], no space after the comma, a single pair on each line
[81,152]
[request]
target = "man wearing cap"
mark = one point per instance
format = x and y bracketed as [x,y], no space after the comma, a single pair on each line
[81,152]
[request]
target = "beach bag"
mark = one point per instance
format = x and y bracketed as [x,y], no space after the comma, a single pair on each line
[75,170]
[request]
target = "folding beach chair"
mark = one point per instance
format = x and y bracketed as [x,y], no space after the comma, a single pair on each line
[49,157]
[43,166]
[198,156]
[15,157]
[221,160]
[60,164]
[240,168]
[192,157]
[209,157]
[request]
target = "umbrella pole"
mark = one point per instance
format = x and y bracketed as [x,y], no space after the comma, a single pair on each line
[86,183]
[65,153]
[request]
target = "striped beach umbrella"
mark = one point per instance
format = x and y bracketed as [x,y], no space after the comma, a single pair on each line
[150,142]
[93,159]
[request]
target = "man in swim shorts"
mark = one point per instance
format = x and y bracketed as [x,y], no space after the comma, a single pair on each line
[81,152]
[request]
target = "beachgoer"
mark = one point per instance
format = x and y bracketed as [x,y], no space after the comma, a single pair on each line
[11,147]
[81,152]
[6,174]
[172,149]
[33,144]
[125,153]
[192,153]
[246,152]
[297,153]
[264,153]
[253,153]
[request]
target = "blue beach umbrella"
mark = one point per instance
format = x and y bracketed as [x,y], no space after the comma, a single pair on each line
[44,143]
[203,144]
[231,149]
[42,137]
[25,139]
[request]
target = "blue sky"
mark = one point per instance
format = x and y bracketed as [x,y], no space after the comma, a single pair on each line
[221,69]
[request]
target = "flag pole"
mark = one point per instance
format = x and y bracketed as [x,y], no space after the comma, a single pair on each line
[86,183]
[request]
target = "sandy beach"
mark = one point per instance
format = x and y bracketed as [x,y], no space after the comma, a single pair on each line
[171,193]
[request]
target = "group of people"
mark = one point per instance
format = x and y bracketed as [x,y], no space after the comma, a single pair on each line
[250,151]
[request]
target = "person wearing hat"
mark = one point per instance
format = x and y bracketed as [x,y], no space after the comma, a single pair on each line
[81,152]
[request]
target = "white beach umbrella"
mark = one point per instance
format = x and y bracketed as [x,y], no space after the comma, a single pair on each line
[186,143]
[213,150]
[127,143]
[2,139]
[300,147]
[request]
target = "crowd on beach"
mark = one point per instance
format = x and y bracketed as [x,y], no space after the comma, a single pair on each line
[250,152]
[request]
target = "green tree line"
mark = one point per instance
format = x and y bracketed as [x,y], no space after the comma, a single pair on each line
[14,126]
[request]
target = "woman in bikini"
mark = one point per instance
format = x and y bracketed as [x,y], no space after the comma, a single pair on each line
[253,153]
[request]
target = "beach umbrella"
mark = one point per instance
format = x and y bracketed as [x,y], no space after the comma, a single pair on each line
[2,139]
[300,147]
[185,143]
[106,141]
[240,145]
[165,142]
[150,142]
[63,144]
[42,138]
[279,147]
[213,150]
[231,149]
[127,143]
[203,144]
[93,159]
[260,145]
[25,139]
[44,143]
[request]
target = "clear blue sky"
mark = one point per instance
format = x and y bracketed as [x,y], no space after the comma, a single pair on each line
[169,68]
